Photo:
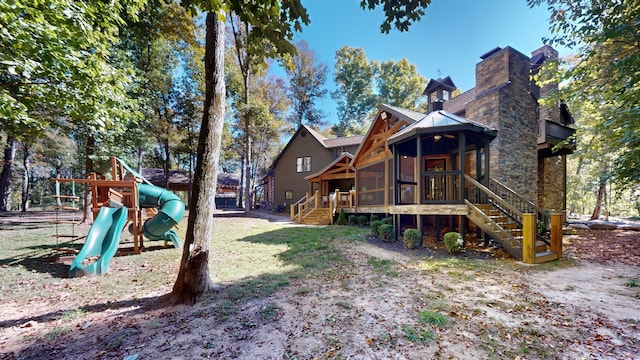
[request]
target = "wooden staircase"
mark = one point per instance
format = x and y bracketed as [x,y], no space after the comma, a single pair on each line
[501,216]
[316,216]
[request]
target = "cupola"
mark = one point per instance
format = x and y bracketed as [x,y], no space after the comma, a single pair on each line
[438,91]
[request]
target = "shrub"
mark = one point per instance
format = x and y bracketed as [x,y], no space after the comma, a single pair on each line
[373,218]
[386,232]
[375,226]
[412,238]
[342,219]
[353,219]
[387,220]
[362,220]
[453,242]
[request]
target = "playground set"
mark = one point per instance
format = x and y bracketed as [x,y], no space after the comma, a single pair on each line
[120,195]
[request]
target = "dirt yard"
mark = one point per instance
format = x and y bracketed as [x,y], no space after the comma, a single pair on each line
[385,302]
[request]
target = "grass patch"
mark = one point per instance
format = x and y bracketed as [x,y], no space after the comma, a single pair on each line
[302,291]
[269,312]
[432,318]
[383,266]
[633,282]
[417,335]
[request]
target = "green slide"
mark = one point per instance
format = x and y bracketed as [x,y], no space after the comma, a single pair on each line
[104,235]
[170,212]
[102,243]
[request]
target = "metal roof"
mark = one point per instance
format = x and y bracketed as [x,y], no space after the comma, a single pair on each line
[440,121]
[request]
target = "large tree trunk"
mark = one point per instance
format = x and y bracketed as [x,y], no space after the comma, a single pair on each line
[193,278]
[26,162]
[5,176]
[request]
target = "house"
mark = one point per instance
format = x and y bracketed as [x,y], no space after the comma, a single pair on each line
[478,162]
[306,153]
[227,193]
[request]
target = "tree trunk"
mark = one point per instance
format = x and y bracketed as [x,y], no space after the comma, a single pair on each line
[193,278]
[88,167]
[5,176]
[601,192]
[26,162]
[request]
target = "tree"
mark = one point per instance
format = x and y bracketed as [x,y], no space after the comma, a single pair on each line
[605,35]
[400,85]
[354,75]
[306,86]
[56,69]
[276,21]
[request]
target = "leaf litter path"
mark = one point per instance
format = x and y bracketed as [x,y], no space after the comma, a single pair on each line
[371,309]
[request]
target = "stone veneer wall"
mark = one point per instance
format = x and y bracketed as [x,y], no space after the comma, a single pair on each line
[503,101]
[551,182]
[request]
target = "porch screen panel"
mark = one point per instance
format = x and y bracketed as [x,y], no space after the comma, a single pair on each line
[371,185]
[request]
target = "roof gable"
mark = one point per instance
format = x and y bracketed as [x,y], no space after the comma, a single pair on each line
[303,132]
[388,121]
[342,164]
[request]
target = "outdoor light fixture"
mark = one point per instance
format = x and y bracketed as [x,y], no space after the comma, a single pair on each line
[437,137]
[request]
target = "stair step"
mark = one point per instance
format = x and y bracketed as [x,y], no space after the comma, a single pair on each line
[546,256]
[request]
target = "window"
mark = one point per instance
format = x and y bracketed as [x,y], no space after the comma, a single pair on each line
[288,195]
[303,164]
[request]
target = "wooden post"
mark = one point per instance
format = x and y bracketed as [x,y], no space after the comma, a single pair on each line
[292,212]
[300,213]
[331,210]
[529,238]
[556,234]
[317,201]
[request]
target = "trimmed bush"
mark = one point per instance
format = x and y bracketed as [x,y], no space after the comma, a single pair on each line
[387,220]
[342,218]
[353,219]
[412,238]
[386,232]
[373,218]
[362,220]
[375,226]
[453,242]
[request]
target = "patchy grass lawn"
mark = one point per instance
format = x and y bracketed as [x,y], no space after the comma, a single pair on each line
[292,292]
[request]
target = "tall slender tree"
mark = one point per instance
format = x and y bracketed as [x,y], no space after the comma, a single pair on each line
[277,20]
[306,78]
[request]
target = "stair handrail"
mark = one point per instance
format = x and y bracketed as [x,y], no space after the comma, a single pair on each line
[294,207]
[543,215]
[503,205]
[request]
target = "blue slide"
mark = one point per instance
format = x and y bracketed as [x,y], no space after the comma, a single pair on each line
[104,235]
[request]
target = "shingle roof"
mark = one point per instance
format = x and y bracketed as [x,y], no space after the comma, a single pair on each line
[457,104]
[343,141]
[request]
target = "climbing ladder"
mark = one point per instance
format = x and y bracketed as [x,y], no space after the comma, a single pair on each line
[68,202]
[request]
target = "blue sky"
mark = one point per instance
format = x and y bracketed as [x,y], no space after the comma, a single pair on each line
[448,41]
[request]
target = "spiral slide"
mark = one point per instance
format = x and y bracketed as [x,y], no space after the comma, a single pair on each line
[104,235]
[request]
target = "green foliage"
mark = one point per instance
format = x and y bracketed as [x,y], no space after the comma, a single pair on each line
[373,218]
[387,220]
[453,242]
[353,219]
[604,74]
[354,76]
[422,336]
[412,238]
[400,84]
[400,13]
[386,232]
[375,226]
[363,220]
[307,77]
[432,318]
[342,218]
